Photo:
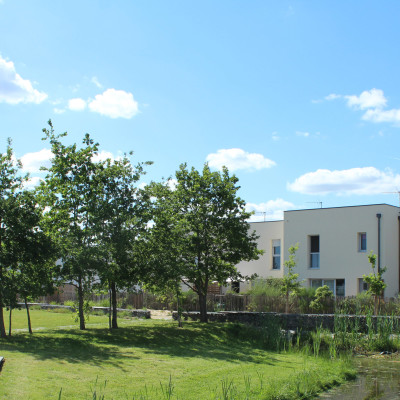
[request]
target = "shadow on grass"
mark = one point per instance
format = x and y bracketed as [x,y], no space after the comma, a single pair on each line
[98,346]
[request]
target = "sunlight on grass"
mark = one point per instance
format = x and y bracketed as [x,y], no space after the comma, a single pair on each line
[143,355]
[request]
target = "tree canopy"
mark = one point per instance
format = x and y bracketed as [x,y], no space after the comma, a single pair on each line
[200,231]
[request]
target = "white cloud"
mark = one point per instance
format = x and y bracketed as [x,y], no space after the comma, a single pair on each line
[59,110]
[76,104]
[378,115]
[332,96]
[360,181]
[103,156]
[235,159]
[115,104]
[95,81]
[172,183]
[373,98]
[31,162]
[275,136]
[303,134]
[32,182]
[270,211]
[373,102]
[14,89]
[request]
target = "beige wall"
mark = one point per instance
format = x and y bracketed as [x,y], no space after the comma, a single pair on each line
[268,231]
[338,230]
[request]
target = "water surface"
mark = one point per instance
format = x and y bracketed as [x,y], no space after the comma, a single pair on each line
[378,378]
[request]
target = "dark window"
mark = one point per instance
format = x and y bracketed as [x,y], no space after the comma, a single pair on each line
[340,287]
[235,286]
[314,251]
[314,244]
[362,242]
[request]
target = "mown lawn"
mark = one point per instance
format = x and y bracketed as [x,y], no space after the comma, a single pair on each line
[147,359]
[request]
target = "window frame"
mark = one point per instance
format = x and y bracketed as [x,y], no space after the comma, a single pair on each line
[323,282]
[276,255]
[362,243]
[312,260]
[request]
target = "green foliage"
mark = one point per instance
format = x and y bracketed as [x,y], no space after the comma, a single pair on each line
[70,192]
[290,284]
[200,232]
[375,280]
[121,218]
[323,298]
[304,297]
[25,250]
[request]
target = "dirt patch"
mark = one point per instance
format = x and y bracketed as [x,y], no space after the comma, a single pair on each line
[160,314]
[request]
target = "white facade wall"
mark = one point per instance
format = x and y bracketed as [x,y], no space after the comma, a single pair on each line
[340,256]
[339,232]
[267,232]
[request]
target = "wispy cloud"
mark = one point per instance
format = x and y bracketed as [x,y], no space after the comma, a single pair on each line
[235,159]
[374,103]
[303,134]
[15,89]
[358,181]
[271,210]
[95,81]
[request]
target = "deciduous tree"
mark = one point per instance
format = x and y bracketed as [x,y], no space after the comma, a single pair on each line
[70,193]
[290,284]
[122,214]
[375,281]
[202,232]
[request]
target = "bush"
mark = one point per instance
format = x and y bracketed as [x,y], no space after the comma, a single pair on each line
[323,299]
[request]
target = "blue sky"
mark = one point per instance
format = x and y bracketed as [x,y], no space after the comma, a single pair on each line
[300,99]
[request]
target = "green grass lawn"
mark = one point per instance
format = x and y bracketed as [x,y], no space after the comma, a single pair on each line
[146,359]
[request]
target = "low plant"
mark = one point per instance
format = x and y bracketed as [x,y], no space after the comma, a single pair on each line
[322,299]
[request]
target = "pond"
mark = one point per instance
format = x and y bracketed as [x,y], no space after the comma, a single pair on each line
[378,378]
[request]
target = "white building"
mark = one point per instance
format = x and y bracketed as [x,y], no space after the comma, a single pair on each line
[333,247]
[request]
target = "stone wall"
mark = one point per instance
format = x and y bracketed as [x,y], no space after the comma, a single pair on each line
[294,322]
[134,313]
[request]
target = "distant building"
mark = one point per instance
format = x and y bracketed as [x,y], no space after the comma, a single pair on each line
[333,247]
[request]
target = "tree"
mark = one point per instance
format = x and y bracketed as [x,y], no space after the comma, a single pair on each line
[70,193]
[121,216]
[290,284]
[375,281]
[202,232]
[22,240]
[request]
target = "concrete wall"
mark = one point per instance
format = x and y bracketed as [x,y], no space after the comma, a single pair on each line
[338,230]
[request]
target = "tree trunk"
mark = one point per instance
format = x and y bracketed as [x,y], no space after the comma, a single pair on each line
[203,308]
[178,309]
[3,333]
[287,303]
[28,315]
[109,306]
[114,305]
[80,305]
[9,325]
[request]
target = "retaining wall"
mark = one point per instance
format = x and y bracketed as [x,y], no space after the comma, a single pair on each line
[105,310]
[294,322]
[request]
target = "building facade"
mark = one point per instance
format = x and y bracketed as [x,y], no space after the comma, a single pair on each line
[333,247]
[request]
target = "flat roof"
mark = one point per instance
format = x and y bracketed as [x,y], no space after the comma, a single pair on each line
[330,208]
